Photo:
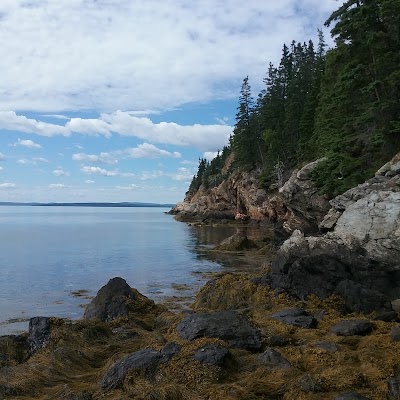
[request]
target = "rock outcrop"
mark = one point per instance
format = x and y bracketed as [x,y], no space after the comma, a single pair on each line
[359,259]
[297,202]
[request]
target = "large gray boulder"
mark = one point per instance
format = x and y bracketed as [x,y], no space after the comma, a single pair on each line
[358,327]
[359,259]
[230,326]
[295,317]
[117,299]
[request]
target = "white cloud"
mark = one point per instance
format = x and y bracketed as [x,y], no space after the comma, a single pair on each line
[103,55]
[28,143]
[182,175]
[40,159]
[128,187]
[89,181]
[104,158]
[90,170]
[57,186]
[25,161]
[7,185]
[147,150]
[209,155]
[60,172]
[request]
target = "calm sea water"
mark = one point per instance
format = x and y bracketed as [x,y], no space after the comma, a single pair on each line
[48,253]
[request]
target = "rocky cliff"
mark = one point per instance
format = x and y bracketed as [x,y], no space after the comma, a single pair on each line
[297,203]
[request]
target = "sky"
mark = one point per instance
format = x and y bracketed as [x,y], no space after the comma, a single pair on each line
[116,100]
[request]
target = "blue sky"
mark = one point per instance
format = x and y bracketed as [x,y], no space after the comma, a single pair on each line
[115,100]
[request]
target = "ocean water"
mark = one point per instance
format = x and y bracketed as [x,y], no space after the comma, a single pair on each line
[48,255]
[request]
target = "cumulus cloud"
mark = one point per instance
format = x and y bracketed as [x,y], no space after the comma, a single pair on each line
[25,161]
[182,175]
[7,185]
[210,155]
[194,51]
[27,143]
[40,159]
[60,172]
[147,150]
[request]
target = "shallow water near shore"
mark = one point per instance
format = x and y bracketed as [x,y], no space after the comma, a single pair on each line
[53,260]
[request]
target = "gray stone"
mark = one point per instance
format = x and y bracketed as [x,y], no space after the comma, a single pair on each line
[170,349]
[274,360]
[352,327]
[350,395]
[212,354]
[326,345]
[395,333]
[295,317]
[386,316]
[230,326]
[394,388]
[39,333]
[144,361]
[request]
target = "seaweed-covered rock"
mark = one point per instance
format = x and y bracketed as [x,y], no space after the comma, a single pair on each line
[325,345]
[212,354]
[358,327]
[144,361]
[236,242]
[230,326]
[117,299]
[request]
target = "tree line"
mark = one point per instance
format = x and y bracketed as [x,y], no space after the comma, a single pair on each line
[342,104]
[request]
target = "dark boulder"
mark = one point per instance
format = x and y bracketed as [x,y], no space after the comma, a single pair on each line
[39,333]
[170,349]
[230,326]
[358,327]
[295,317]
[212,354]
[350,395]
[143,361]
[386,316]
[117,299]
[274,360]
[326,266]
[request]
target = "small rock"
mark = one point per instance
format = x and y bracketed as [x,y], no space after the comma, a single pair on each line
[309,384]
[396,305]
[230,326]
[170,349]
[236,242]
[212,354]
[145,360]
[352,327]
[39,333]
[295,317]
[394,388]
[275,360]
[349,395]
[326,345]
[395,333]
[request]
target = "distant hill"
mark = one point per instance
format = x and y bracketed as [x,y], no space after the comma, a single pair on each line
[123,204]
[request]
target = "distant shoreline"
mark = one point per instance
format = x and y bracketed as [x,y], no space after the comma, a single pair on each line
[122,204]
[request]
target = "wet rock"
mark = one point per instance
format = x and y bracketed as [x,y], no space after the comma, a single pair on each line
[143,361]
[212,354]
[295,317]
[350,395]
[395,333]
[39,333]
[117,299]
[274,360]
[230,326]
[352,327]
